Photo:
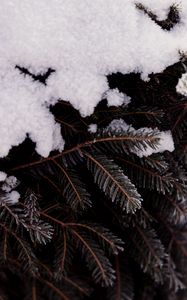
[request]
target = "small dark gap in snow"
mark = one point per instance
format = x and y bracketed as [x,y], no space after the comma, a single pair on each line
[42,78]
[169,23]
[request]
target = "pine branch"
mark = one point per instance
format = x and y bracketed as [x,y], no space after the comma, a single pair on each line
[156,162]
[105,237]
[174,210]
[146,177]
[96,260]
[64,255]
[179,128]
[176,236]
[4,247]
[123,288]
[55,291]
[110,113]
[27,217]
[113,182]
[127,140]
[26,255]
[39,230]
[147,249]
[173,276]
[31,207]
[83,238]
[73,188]
[95,257]
[124,141]
[66,282]
[81,287]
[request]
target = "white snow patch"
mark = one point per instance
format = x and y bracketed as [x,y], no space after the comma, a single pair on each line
[10,183]
[7,194]
[159,8]
[92,128]
[182,85]
[3,176]
[166,142]
[115,98]
[119,125]
[83,41]
[11,198]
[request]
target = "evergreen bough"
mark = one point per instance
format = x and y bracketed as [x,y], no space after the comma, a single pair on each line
[96,221]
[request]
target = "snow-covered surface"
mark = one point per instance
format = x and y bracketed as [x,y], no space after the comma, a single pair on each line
[115,98]
[7,193]
[83,41]
[160,8]
[119,125]
[2,176]
[182,85]
[92,128]
[12,197]
[165,144]
[10,183]
[165,139]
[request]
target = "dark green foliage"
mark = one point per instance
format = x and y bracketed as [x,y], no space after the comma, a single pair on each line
[96,221]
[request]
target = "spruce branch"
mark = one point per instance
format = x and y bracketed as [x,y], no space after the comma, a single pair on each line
[147,177]
[105,237]
[64,255]
[128,140]
[96,260]
[54,290]
[121,141]
[148,251]
[25,253]
[73,188]
[111,179]
[123,288]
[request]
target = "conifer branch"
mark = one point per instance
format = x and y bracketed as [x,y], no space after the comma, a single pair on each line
[132,139]
[148,178]
[100,266]
[55,289]
[113,182]
[73,189]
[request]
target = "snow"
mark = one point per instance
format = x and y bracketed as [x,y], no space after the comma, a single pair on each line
[159,8]
[2,176]
[92,128]
[83,41]
[182,85]
[7,194]
[119,125]
[165,144]
[11,198]
[165,138]
[115,98]
[22,112]
[10,183]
